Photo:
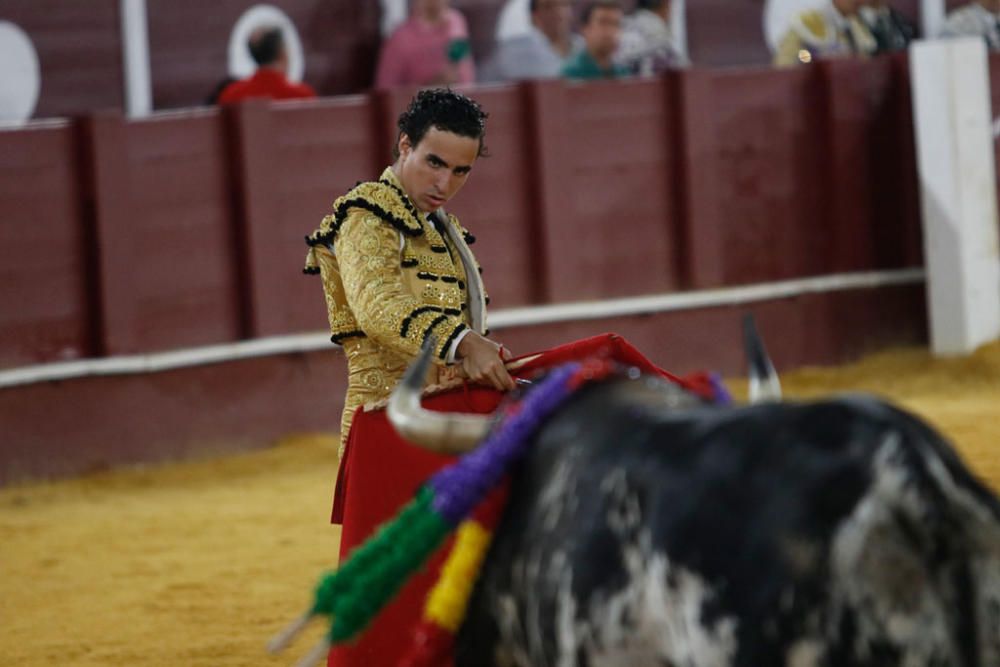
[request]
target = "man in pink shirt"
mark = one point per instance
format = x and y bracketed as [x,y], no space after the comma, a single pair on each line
[430,49]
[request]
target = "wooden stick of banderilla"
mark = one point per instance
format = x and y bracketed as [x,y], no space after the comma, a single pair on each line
[316,656]
[283,639]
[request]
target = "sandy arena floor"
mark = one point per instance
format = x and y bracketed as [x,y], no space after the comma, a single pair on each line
[197,564]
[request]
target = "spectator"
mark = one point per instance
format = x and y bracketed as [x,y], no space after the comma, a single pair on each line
[270,81]
[980,18]
[601,31]
[648,45]
[892,30]
[833,30]
[430,49]
[543,50]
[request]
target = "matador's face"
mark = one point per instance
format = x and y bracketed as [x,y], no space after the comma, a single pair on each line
[433,171]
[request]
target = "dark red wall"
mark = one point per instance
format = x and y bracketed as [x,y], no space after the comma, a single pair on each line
[79,52]
[46,287]
[186,229]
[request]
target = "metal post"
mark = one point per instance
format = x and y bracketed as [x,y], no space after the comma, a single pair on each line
[135,58]
[932,13]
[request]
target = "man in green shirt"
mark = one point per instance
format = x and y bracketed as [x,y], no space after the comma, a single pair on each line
[601,31]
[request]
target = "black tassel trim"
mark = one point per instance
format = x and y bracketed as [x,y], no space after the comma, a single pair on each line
[406,200]
[469,238]
[423,275]
[451,339]
[311,270]
[486,333]
[449,279]
[486,299]
[461,284]
[340,214]
[465,306]
[430,327]
[337,338]
[404,328]
[480,270]
[409,263]
[439,249]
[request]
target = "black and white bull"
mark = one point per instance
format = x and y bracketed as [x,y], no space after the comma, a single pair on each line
[648,529]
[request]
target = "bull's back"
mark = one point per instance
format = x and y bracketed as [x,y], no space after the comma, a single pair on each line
[635,510]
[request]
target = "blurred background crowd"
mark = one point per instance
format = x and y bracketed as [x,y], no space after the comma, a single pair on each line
[66,58]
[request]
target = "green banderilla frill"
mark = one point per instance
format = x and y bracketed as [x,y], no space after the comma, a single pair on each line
[375,571]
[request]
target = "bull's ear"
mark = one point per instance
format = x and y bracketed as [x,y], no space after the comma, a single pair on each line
[764,383]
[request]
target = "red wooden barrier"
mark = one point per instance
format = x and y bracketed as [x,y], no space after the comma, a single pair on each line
[771,174]
[166,239]
[44,276]
[699,179]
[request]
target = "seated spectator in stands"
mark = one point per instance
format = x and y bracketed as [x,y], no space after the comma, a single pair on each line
[543,50]
[430,49]
[647,45]
[892,30]
[601,30]
[980,18]
[270,81]
[834,30]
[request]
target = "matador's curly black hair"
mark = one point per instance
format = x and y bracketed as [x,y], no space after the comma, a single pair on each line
[446,110]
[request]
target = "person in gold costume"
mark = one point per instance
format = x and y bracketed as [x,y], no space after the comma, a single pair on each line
[397,269]
[833,30]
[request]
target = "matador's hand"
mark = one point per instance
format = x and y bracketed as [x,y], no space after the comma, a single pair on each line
[483,362]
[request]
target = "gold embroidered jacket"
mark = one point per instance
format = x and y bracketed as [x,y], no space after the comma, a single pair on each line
[824,32]
[391,279]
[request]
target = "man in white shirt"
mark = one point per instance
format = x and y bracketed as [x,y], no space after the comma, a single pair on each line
[648,45]
[980,18]
[541,52]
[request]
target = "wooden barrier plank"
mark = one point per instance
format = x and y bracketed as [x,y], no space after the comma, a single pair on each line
[855,98]
[251,150]
[701,231]
[552,194]
[620,239]
[770,173]
[44,270]
[184,278]
[164,232]
[109,173]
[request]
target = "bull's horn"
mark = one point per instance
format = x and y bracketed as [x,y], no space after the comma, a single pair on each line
[437,431]
[764,382]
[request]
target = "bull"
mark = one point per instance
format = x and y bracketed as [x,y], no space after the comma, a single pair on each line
[647,528]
